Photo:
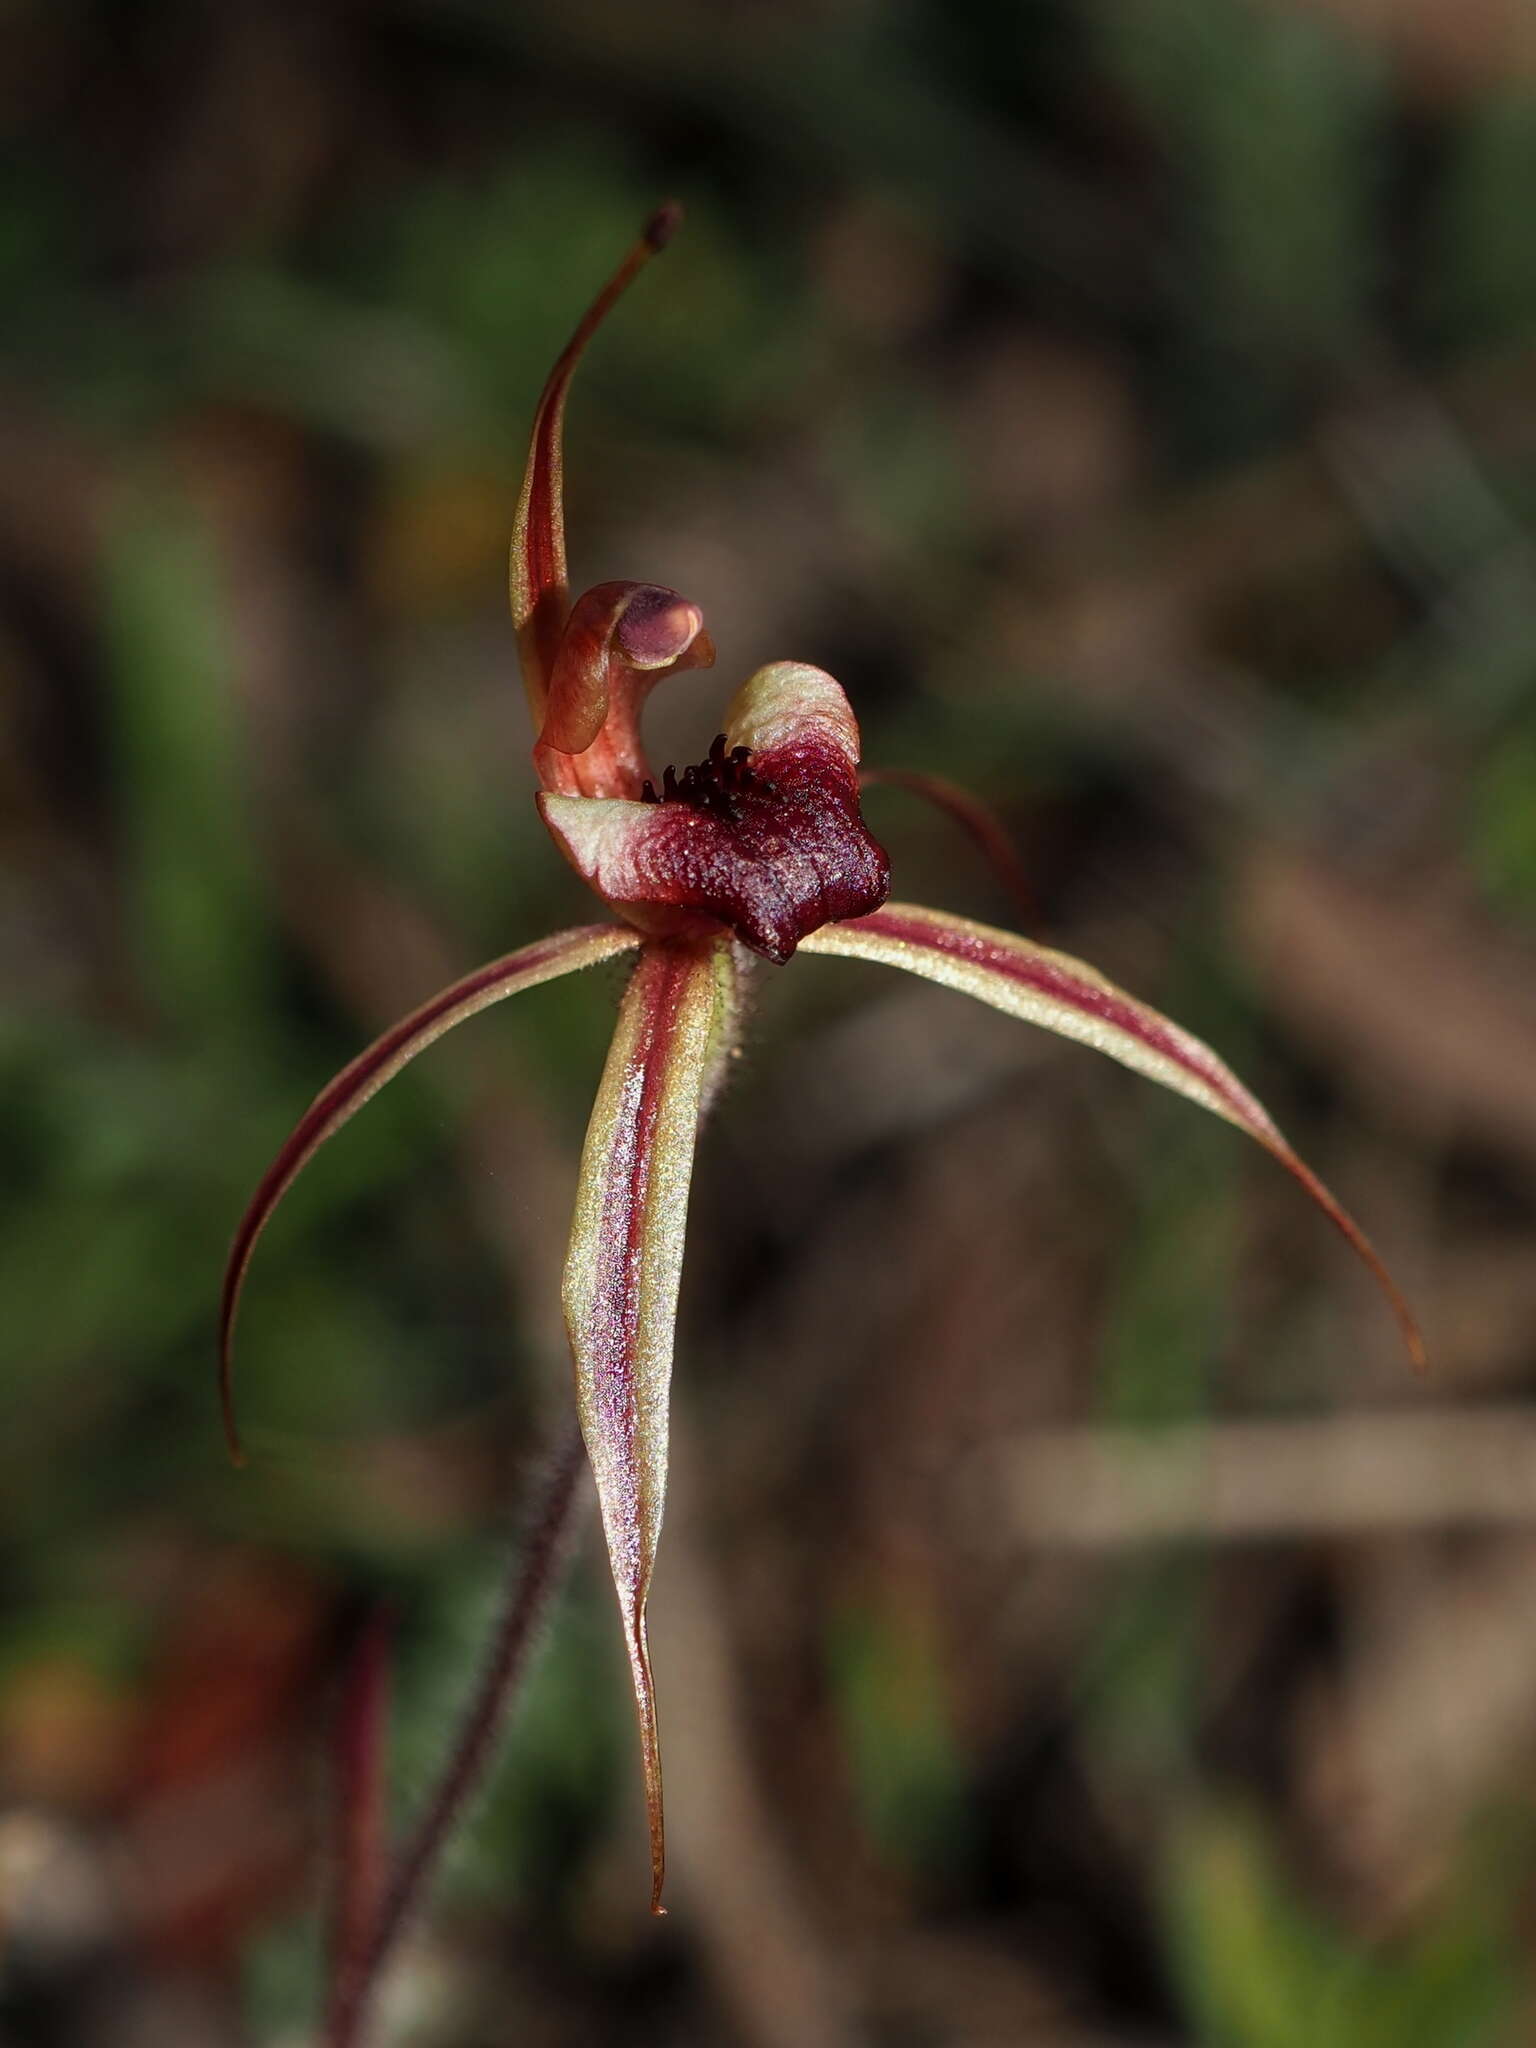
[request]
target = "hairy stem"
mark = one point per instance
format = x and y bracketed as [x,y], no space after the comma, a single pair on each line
[536,1575]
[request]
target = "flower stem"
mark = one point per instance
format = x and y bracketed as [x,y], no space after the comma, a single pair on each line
[359,1743]
[536,1574]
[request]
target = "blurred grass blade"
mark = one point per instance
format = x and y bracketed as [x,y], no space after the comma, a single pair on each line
[197,922]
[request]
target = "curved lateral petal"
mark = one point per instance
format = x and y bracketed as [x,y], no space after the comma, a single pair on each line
[1065,996]
[975,817]
[622,1273]
[366,1075]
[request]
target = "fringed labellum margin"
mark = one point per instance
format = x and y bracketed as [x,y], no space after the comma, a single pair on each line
[761,845]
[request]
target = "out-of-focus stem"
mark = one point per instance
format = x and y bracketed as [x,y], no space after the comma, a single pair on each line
[536,1575]
[360,1742]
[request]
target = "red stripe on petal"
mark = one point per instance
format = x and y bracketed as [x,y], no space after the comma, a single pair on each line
[622,1274]
[1058,978]
[342,1097]
[1064,995]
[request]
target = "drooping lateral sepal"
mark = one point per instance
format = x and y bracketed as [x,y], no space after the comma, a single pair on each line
[344,1096]
[623,1269]
[1062,994]
[765,837]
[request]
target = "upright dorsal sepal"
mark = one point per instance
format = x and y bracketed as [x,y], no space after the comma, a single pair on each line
[537,571]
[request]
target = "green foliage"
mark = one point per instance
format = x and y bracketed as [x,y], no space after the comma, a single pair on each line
[1501,822]
[908,1774]
[1484,286]
[193,881]
[1261,1968]
[1269,119]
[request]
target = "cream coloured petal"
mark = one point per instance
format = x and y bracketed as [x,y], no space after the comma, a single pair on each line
[789,706]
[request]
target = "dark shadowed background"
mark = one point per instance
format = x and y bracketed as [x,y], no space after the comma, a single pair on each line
[1075,1627]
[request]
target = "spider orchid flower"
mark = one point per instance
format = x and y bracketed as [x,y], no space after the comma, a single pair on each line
[758,850]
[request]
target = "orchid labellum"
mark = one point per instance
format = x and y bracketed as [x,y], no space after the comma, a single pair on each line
[757,851]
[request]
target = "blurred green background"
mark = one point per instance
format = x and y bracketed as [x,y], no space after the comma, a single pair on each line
[1074,1626]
